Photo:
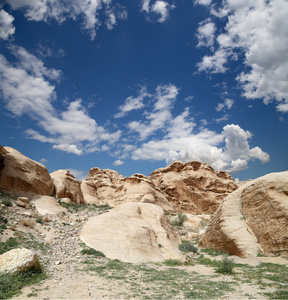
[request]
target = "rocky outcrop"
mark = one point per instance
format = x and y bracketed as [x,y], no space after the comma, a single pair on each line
[254,218]
[107,186]
[66,186]
[47,205]
[193,187]
[22,175]
[18,260]
[133,232]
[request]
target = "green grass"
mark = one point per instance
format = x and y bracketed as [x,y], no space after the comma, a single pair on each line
[187,246]
[7,202]
[172,262]
[10,244]
[73,207]
[181,218]
[91,251]
[11,284]
[225,266]
[212,252]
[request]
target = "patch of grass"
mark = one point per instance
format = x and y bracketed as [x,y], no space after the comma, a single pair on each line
[172,262]
[7,202]
[225,266]
[187,246]
[10,244]
[73,207]
[11,284]
[212,252]
[279,294]
[181,218]
[206,261]
[91,251]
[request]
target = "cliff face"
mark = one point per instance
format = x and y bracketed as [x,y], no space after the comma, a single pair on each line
[193,187]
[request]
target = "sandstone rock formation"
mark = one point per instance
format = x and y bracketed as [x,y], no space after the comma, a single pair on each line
[18,260]
[47,205]
[252,219]
[108,186]
[193,187]
[133,232]
[22,175]
[66,186]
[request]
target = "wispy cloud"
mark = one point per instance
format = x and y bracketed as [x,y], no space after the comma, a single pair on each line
[257,31]
[133,103]
[227,104]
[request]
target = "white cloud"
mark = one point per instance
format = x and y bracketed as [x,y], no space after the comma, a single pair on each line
[90,11]
[26,91]
[227,104]
[203,2]
[118,162]
[6,27]
[43,160]
[258,31]
[133,103]
[164,97]
[79,175]
[206,34]
[159,7]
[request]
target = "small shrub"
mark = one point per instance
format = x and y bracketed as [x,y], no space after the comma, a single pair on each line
[172,262]
[91,251]
[27,222]
[181,218]
[7,202]
[187,246]
[225,266]
[40,220]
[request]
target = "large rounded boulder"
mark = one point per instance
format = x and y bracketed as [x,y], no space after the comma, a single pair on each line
[22,175]
[252,219]
[133,232]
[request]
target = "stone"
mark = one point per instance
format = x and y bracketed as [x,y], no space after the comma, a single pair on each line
[193,187]
[108,186]
[20,203]
[89,192]
[18,260]
[252,219]
[66,186]
[133,232]
[47,205]
[22,175]
[23,199]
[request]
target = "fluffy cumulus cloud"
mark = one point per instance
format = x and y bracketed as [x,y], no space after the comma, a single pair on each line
[93,12]
[27,90]
[6,27]
[118,162]
[257,32]
[165,136]
[158,8]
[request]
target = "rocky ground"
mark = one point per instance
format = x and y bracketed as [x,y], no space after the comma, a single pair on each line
[73,275]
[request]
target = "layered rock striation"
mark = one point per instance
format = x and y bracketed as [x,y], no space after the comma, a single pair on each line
[193,187]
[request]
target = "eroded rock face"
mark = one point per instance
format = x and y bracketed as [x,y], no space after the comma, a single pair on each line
[21,175]
[193,187]
[66,186]
[107,186]
[18,260]
[252,219]
[133,232]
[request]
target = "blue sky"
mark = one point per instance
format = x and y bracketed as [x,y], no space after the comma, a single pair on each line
[134,85]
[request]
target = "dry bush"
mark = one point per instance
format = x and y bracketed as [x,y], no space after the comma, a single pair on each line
[27,222]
